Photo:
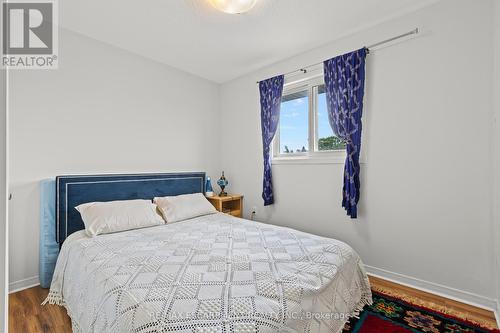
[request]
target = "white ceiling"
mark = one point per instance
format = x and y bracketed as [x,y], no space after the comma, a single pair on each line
[194,37]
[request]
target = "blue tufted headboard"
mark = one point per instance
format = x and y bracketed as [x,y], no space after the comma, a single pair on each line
[59,218]
[72,191]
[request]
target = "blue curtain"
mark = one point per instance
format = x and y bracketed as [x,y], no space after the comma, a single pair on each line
[344,86]
[270,102]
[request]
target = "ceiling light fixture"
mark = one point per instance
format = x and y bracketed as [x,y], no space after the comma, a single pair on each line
[233,6]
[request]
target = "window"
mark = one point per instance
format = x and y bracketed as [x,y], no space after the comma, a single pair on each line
[326,140]
[293,125]
[304,130]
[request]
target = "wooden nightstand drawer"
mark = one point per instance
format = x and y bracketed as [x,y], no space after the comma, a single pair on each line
[231,204]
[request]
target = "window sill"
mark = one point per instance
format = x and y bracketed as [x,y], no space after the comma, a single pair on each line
[339,159]
[336,157]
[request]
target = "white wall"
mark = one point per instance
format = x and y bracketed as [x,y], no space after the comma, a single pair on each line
[425,208]
[496,143]
[104,110]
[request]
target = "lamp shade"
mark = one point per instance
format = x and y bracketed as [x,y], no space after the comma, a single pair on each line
[209,191]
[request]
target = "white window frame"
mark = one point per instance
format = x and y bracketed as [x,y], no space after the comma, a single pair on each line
[312,156]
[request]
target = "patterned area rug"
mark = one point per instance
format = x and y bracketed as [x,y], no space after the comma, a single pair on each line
[392,315]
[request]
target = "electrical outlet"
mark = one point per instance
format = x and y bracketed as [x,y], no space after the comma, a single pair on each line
[254,212]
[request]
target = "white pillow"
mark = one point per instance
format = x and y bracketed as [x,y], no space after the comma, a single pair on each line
[113,216]
[183,207]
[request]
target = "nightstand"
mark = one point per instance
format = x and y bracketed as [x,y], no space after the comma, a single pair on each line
[231,204]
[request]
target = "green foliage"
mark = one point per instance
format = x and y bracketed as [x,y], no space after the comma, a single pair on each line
[331,143]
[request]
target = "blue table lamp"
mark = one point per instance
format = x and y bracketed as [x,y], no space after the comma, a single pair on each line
[222,182]
[209,191]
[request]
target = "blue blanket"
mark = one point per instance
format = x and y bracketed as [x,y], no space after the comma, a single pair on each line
[49,249]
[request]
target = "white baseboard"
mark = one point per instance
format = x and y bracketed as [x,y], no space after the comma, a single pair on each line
[23,284]
[437,289]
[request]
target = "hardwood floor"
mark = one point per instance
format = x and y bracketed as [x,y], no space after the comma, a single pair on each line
[26,315]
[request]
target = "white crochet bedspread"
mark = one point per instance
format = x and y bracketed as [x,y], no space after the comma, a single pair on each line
[214,273]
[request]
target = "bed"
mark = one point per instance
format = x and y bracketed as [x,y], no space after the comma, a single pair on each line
[214,273]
